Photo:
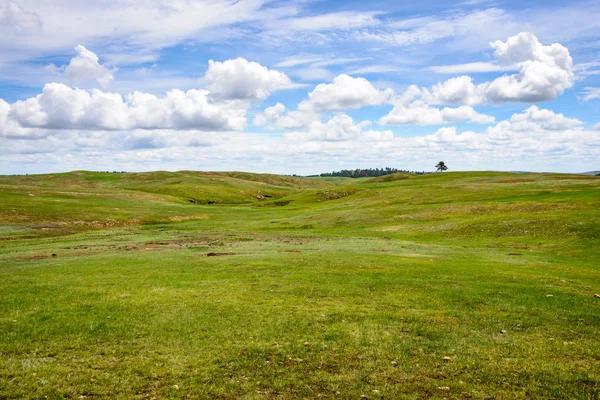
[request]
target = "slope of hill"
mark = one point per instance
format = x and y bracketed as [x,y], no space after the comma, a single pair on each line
[236,285]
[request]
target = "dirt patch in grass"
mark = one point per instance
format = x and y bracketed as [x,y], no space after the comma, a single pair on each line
[219,254]
[281,203]
[325,195]
[36,257]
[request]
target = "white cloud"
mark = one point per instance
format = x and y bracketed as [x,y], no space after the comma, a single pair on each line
[542,119]
[431,29]
[333,21]
[85,67]
[474,67]
[63,107]
[297,60]
[545,124]
[317,60]
[472,31]
[15,18]
[133,30]
[232,85]
[243,80]
[332,145]
[340,127]
[545,72]
[279,117]
[373,69]
[9,128]
[459,90]
[311,67]
[422,114]
[584,70]
[448,134]
[591,93]
[313,74]
[345,92]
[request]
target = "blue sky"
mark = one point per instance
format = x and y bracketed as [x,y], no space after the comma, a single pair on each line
[298,87]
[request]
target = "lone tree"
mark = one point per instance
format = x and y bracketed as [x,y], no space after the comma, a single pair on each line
[441,166]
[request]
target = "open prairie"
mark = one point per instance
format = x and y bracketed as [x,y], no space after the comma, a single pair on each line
[234,285]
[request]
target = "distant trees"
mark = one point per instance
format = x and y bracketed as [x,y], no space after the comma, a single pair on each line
[369,172]
[441,166]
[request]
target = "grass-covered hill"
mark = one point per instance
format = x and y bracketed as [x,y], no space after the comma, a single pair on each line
[236,285]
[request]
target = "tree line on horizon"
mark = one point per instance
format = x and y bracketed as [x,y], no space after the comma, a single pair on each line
[369,172]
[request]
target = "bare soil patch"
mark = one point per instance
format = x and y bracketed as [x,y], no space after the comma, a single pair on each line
[219,254]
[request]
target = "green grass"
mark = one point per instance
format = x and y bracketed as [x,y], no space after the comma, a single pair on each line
[319,288]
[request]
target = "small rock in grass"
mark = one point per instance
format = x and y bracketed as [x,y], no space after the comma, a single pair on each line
[597,296]
[503,331]
[176,387]
[444,388]
[394,363]
[549,295]
[306,343]
[447,358]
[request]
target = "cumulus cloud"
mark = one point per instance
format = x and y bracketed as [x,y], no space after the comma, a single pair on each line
[544,119]
[544,72]
[459,90]
[422,114]
[345,92]
[534,130]
[85,67]
[340,127]
[337,141]
[535,121]
[533,134]
[448,134]
[62,107]
[279,117]
[223,106]
[507,142]
[9,128]
[241,79]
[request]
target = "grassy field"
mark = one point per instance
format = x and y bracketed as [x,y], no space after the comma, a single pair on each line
[235,285]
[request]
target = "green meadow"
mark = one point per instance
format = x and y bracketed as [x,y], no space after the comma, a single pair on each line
[171,285]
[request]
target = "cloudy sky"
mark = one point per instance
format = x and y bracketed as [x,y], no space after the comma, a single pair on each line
[299,87]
